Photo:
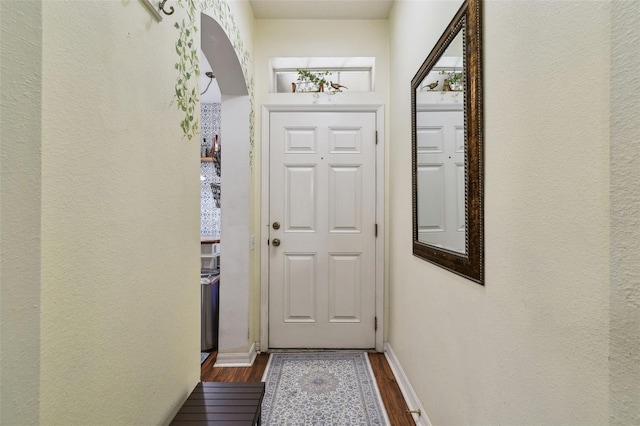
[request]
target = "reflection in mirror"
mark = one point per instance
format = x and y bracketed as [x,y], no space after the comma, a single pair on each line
[447,149]
[440,152]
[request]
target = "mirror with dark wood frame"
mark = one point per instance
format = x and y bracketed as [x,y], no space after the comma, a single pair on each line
[447,149]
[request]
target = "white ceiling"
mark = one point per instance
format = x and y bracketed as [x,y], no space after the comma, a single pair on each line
[321,9]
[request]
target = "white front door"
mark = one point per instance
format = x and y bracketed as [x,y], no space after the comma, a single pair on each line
[322,195]
[441,179]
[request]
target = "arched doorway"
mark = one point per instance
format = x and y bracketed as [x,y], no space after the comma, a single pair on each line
[234,347]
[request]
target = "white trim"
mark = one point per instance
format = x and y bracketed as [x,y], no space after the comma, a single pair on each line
[440,107]
[317,108]
[380,220]
[264,234]
[266,370]
[237,359]
[405,387]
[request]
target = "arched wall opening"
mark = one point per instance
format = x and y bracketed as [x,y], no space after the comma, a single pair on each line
[234,347]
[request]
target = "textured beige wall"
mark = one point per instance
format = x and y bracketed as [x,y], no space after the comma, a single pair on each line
[99,216]
[532,345]
[20,195]
[625,214]
[120,220]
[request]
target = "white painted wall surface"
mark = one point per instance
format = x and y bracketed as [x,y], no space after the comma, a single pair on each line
[242,15]
[120,292]
[530,347]
[234,270]
[212,94]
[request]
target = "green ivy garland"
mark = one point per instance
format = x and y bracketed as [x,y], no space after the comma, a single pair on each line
[188,66]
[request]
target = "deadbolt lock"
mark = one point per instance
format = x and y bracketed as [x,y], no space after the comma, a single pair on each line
[276,225]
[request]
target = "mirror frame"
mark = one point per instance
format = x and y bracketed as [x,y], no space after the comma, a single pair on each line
[470,264]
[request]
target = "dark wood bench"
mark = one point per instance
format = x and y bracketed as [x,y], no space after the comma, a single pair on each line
[218,403]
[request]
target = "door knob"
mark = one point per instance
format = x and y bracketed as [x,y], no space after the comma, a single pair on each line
[276,225]
[276,242]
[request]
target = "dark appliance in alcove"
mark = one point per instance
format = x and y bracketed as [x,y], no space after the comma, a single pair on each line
[209,309]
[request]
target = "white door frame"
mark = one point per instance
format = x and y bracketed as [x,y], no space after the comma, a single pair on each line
[380,197]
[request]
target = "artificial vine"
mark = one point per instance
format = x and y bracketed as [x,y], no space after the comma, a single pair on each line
[187,94]
[317,78]
[453,81]
[188,66]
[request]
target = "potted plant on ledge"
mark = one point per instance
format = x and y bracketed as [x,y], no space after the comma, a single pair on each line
[315,81]
[454,81]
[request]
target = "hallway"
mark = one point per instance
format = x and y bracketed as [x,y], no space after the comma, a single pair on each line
[100,208]
[389,391]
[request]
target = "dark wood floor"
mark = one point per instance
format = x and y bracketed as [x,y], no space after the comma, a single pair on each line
[389,390]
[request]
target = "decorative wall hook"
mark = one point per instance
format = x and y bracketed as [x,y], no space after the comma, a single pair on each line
[152,10]
[161,5]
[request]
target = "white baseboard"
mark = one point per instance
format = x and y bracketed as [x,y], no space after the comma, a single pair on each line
[238,359]
[405,387]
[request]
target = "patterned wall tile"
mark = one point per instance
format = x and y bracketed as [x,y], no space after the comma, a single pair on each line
[209,123]
[209,213]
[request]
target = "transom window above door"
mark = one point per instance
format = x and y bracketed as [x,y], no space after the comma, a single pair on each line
[356,74]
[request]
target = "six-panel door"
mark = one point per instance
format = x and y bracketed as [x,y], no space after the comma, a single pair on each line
[322,194]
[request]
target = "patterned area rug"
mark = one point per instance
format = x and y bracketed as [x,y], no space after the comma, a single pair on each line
[321,389]
[204,356]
